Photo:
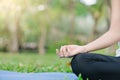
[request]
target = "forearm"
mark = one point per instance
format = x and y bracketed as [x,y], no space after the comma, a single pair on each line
[108,39]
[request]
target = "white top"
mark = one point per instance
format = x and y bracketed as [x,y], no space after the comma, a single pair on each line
[118,50]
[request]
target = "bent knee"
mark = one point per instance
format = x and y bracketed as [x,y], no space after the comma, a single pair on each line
[78,62]
[82,57]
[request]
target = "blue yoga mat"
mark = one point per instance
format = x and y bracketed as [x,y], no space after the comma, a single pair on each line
[7,75]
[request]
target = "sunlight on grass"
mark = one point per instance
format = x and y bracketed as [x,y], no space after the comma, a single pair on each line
[34,63]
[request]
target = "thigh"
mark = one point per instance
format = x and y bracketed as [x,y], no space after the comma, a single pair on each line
[105,70]
[103,58]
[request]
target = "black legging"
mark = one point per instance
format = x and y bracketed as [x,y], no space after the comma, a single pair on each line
[96,66]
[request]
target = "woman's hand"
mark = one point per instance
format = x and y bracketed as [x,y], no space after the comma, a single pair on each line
[70,50]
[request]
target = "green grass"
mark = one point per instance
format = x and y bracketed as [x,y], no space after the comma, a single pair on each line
[34,63]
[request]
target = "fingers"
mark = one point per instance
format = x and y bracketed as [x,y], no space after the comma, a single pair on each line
[70,50]
[68,54]
[63,52]
[57,51]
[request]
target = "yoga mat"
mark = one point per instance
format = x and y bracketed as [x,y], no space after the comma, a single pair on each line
[8,75]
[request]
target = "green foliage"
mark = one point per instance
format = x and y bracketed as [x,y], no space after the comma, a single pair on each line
[80,77]
[81,9]
[55,17]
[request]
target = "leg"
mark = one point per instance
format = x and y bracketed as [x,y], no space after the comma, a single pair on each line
[96,66]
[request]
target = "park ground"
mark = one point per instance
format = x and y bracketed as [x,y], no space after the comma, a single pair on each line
[32,62]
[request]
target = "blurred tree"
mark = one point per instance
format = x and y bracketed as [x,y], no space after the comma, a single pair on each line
[43,25]
[97,11]
[11,26]
[108,9]
[13,19]
[45,22]
[72,21]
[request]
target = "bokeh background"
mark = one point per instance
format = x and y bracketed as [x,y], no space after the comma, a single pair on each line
[31,30]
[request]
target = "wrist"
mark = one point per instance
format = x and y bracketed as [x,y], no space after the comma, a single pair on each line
[85,50]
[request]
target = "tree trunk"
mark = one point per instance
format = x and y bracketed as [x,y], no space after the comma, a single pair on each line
[13,39]
[19,31]
[13,46]
[94,29]
[42,40]
[72,22]
[46,21]
[108,6]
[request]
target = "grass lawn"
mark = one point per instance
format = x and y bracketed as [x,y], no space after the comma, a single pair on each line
[27,62]
[32,62]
